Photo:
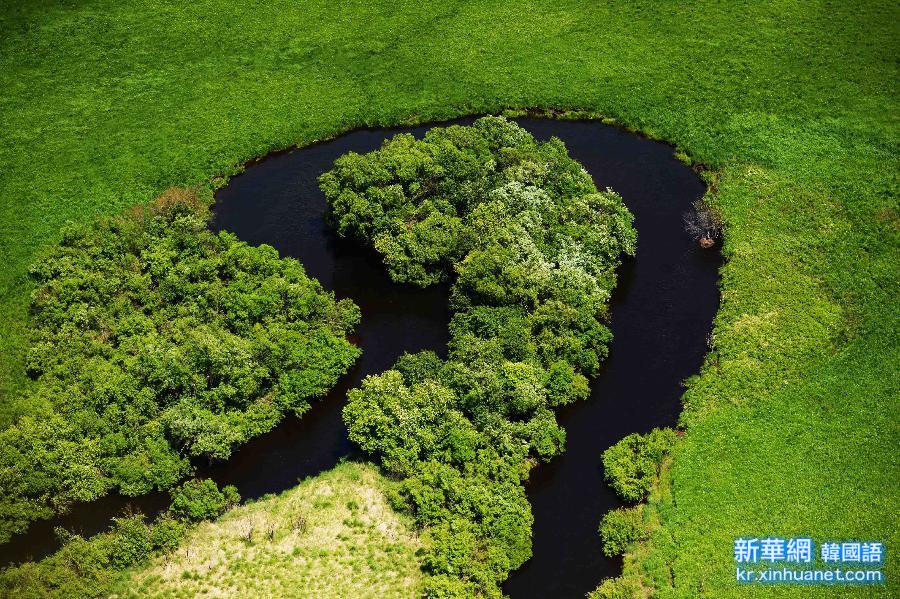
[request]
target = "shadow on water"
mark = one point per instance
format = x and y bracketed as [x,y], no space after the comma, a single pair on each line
[661,312]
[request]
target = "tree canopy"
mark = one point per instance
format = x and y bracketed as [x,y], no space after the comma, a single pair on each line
[531,248]
[155,341]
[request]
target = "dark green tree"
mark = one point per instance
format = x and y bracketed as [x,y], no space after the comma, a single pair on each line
[155,341]
[530,247]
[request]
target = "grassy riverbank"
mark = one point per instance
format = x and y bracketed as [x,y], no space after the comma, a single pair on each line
[792,427]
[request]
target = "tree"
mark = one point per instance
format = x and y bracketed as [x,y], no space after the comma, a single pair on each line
[530,247]
[154,341]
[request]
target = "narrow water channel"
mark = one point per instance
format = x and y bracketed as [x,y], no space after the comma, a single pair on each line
[661,313]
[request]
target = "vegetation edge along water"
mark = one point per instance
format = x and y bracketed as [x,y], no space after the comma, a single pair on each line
[156,341]
[791,103]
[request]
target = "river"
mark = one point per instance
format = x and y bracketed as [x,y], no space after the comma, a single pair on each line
[661,314]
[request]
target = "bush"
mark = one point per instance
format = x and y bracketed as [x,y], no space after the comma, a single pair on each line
[155,340]
[202,500]
[130,542]
[617,588]
[620,528]
[167,532]
[92,567]
[632,465]
[447,587]
[531,249]
[81,568]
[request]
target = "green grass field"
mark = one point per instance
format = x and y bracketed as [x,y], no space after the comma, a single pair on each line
[792,427]
[334,535]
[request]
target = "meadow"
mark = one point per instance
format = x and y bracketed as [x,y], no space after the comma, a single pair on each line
[334,535]
[791,106]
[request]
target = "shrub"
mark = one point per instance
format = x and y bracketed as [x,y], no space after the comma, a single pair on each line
[617,588]
[92,567]
[202,500]
[631,465]
[166,533]
[447,587]
[620,528]
[130,542]
[81,568]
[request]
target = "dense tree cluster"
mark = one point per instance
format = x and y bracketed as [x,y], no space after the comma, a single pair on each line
[156,340]
[531,248]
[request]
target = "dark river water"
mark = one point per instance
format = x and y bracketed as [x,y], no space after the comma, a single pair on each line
[662,311]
